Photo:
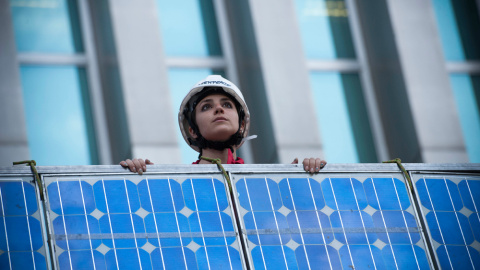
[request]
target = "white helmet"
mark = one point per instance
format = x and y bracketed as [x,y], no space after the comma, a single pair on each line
[189,102]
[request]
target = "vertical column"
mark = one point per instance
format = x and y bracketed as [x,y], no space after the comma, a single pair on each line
[13,134]
[426,79]
[286,79]
[144,80]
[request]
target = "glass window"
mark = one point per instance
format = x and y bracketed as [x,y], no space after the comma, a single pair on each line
[189,28]
[459,26]
[466,90]
[59,124]
[325,29]
[181,81]
[47,26]
[341,111]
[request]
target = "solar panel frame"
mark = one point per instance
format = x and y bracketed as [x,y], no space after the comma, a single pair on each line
[242,173]
[26,182]
[419,178]
[204,172]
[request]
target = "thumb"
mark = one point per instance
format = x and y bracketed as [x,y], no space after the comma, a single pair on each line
[295,161]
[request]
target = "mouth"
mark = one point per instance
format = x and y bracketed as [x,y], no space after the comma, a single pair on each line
[220,119]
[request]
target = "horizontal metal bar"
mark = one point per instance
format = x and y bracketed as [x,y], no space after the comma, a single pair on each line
[52,59]
[334,65]
[246,168]
[192,62]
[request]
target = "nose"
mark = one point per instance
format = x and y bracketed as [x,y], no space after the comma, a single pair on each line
[218,108]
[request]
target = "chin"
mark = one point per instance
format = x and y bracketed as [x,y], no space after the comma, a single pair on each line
[219,138]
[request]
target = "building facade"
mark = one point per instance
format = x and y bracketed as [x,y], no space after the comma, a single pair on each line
[95,82]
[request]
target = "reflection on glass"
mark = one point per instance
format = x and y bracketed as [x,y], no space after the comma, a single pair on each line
[189,28]
[459,27]
[325,29]
[181,81]
[341,111]
[46,26]
[59,124]
[466,90]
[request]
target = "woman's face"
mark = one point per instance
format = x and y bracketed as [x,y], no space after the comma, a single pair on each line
[216,117]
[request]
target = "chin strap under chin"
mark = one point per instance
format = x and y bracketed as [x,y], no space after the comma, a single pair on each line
[219,164]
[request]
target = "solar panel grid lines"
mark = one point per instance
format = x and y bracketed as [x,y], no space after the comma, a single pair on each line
[135,222]
[449,204]
[22,238]
[329,221]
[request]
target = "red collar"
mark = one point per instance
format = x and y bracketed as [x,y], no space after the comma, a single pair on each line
[230,159]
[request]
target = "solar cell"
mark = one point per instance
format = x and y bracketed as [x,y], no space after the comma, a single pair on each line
[134,222]
[300,221]
[450,204]
[22,245]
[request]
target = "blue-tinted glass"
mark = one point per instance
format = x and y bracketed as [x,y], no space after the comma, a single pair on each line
[218,257]
[458,24]
[325,29]
[364,257]
[321,257]
[386,194]
[458,257]
[175,258]
[341,112]
[148,189]
[301,190]
[180,82]
[202,195]
[127,259]
[12,195]
[189,28]
[274,258]
[466,90]
[470,191]
[46,26]
[405,257]
[59,124]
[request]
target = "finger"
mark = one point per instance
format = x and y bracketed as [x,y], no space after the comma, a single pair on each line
[123,163]
[142,164]
[317,164]
[138,166]
[295,161]
[305,164]
[148,162]
[312,165]
[130,165]
[322,163]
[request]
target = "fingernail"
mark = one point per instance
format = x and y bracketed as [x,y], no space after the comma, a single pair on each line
[306,168]
[124,163]
[311,170]
[134,169]
[140,172]
[321,164]
[317,169]
[144,168]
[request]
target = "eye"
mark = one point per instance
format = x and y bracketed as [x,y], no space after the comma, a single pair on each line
[228,105]
[205,107]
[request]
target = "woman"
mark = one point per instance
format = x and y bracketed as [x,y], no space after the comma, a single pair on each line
[214,120]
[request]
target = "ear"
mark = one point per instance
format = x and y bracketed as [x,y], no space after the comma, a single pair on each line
[192,133]
[242,127]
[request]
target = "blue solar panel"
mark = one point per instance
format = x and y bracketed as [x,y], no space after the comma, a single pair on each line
[303,222]
[22,245]
[143,223]
[451,205]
